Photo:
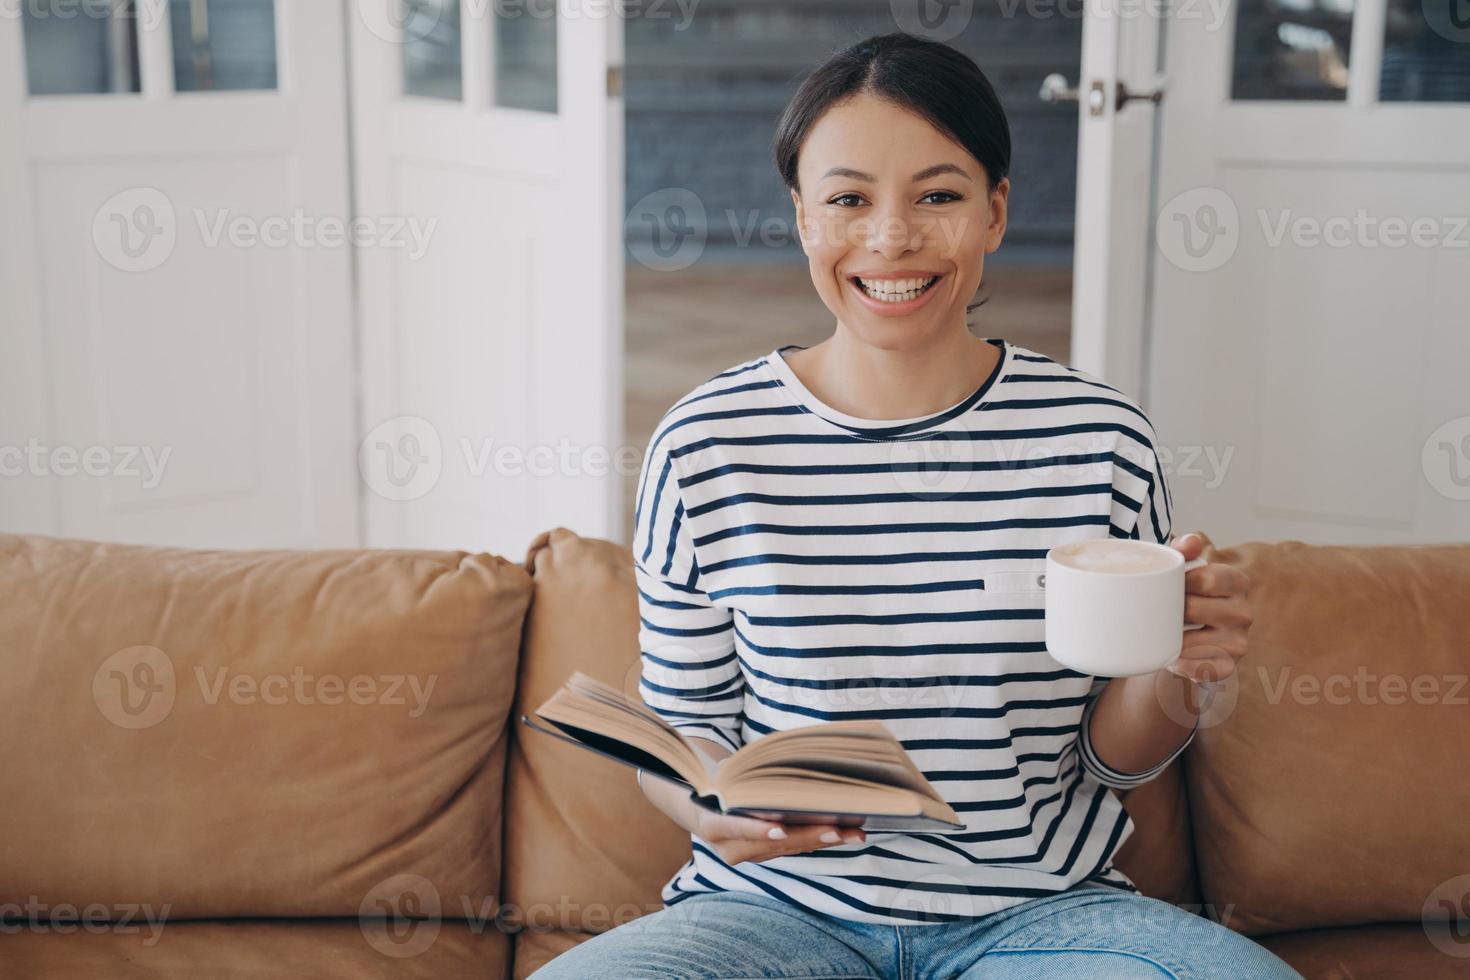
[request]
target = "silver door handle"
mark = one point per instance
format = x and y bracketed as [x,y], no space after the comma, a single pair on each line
[1054,89]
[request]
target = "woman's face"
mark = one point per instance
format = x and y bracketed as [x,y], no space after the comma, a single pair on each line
[887,205]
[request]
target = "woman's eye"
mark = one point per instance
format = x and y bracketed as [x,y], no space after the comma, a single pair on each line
[946,196]
[840,198]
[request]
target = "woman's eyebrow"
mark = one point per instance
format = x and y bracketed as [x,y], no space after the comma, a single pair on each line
[934,171]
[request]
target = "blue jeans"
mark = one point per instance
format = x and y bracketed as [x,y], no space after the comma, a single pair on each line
[1090,930]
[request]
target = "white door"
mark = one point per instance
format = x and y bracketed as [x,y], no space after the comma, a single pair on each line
[492,349]
[175,315]
[1115,131]
[1305,334]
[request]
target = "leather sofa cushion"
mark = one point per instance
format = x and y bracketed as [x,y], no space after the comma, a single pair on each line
[1393,951]
[252,733]
[585,850]
[261,949]
[1328,786]
[536,948]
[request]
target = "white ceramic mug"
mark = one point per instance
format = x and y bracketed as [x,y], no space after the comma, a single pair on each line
[1113,623]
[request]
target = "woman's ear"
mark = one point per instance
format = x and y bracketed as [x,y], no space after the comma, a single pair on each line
[999,204]
[800,218]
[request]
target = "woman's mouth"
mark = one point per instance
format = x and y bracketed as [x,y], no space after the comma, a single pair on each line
[895,290]
[894,297]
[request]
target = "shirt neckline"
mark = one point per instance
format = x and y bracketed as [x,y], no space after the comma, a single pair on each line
[883,428]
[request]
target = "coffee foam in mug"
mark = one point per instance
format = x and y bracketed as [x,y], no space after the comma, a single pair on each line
[1117,557]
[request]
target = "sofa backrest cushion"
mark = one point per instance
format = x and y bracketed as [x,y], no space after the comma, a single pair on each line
[585,850]
[261,733]
[1327,783]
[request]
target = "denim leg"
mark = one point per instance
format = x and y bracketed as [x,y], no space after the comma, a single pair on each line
[729,936]
[1094,930]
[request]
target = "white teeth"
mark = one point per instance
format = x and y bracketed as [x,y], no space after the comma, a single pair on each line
[896,290]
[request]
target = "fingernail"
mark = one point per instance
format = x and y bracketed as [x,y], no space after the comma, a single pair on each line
[776,833]
[831,837]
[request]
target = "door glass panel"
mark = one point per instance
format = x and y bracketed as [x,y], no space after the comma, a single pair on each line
[525,55]
[431,58]
[1292,49]
[1426,52]
[76,49]
[224,45]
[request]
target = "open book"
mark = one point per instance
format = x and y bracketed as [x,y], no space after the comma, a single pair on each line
[849,773]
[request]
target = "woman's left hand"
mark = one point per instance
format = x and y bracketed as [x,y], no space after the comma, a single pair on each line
[1214,597]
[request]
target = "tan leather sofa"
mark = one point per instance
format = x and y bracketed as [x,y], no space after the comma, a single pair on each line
[276,764]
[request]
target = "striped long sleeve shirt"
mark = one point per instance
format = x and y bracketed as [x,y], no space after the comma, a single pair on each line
[797,565]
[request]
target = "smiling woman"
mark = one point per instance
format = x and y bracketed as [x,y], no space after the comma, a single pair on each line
[900,188]
[872,513]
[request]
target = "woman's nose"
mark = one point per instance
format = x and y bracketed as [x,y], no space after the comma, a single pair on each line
[892,233]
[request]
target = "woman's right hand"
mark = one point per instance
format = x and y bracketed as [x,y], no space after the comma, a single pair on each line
[737,839]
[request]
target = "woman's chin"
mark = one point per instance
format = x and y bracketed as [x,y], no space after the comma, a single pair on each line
[890,334]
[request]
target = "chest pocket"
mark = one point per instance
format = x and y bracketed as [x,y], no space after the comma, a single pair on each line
[1032,581]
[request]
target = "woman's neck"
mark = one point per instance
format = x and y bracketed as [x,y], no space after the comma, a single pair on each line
[869,382]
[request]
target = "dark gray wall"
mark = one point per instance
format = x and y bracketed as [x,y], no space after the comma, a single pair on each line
[704,95]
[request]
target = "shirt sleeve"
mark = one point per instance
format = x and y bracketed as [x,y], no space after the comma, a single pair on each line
[690,674]
[1142,509]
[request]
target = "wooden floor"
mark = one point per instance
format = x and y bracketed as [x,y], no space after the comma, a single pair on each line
[684,327]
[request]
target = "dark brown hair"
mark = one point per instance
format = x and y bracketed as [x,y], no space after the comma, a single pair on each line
[932,80]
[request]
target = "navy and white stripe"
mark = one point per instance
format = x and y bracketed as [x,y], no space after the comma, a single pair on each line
[798,565]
